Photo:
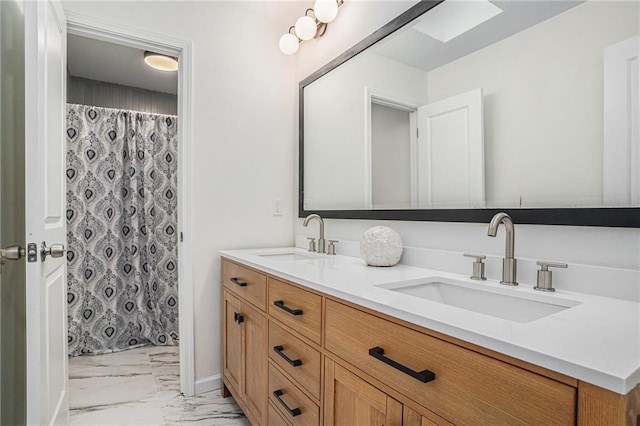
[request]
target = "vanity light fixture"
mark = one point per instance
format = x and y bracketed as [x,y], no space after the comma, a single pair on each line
[161,62]
[309,27]
[289,43]
[306,26]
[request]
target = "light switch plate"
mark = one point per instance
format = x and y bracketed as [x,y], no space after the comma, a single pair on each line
[276,204]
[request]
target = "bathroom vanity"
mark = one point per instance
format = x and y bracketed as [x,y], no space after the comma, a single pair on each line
[315,339]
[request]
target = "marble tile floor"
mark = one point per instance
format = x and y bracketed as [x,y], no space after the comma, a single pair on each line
[141,387]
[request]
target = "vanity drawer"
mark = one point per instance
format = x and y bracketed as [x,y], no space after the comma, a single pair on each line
[291,402]
[246,283]
[469,388]
[297,308]
[303,363]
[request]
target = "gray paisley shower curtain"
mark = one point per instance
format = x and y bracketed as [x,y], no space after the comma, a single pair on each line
[122,229]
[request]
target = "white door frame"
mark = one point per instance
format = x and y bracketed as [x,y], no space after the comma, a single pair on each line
[621,135]
[375,96]
[99,29]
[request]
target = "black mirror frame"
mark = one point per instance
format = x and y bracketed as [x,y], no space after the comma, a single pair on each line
[625,217]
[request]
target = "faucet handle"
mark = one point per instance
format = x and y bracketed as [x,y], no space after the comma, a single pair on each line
[312,244]
[478,266]
[332,247]
[545,282]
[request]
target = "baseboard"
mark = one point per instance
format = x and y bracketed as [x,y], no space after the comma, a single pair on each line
[208,384]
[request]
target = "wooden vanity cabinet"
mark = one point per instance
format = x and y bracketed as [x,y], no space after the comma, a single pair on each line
[349,400]
[299,309]
[244,339]
[295,330]
[294,356]
[458,384]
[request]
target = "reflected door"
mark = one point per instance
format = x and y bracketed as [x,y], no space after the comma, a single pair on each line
[451,152]
[12,224]
[45,70]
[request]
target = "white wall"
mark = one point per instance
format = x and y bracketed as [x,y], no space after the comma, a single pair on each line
[243,152]
[335,120]
[533,131]
[608,247]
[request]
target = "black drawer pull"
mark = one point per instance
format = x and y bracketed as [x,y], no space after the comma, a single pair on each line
[239,318]
[280,304]
[294,412]
[424,376]
[237,282]
[294,362]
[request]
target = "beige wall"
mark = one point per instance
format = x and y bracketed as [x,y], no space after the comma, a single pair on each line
[243,152]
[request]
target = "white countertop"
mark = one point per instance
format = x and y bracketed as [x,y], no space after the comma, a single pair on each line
[597,341]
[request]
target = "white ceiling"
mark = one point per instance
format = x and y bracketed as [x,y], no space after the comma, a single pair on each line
[418,50]
[113,63]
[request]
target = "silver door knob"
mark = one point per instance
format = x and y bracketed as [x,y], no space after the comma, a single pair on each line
[12,253]
[56,250]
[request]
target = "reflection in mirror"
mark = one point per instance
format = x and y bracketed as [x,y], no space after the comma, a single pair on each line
[536,107]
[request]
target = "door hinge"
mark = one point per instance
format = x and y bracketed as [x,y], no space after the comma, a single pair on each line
[181,237]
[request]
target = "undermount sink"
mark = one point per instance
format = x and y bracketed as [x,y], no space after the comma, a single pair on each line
[486,300]
[286,256]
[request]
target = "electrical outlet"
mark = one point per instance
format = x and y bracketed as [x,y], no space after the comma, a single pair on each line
[276,205]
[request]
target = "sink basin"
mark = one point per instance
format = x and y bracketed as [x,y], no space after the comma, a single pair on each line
[490,301]
[286,256]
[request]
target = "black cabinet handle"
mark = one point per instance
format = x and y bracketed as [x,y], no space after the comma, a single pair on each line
[294,412]
[294,362]
[239,318]
[280,304]
[424,376]
[237,282]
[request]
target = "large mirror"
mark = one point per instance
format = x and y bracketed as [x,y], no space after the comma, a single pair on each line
[458,109]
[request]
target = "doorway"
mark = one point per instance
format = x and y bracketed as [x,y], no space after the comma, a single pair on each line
[391,137]
[88,28]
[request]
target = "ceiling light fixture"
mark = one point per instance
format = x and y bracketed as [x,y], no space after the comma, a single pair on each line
[308,27]
[161,62]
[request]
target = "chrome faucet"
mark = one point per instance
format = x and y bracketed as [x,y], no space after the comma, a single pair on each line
[509,263]
[321,240]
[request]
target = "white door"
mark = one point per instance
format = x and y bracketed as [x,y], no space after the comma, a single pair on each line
[621,161]
[450,152]
[46,287]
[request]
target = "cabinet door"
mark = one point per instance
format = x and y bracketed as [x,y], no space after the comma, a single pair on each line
[255,360]
[232,341]
[413,418]
[349,400]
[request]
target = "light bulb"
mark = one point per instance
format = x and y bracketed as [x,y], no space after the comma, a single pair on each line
[288,44]
[325,10]
[306,28]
